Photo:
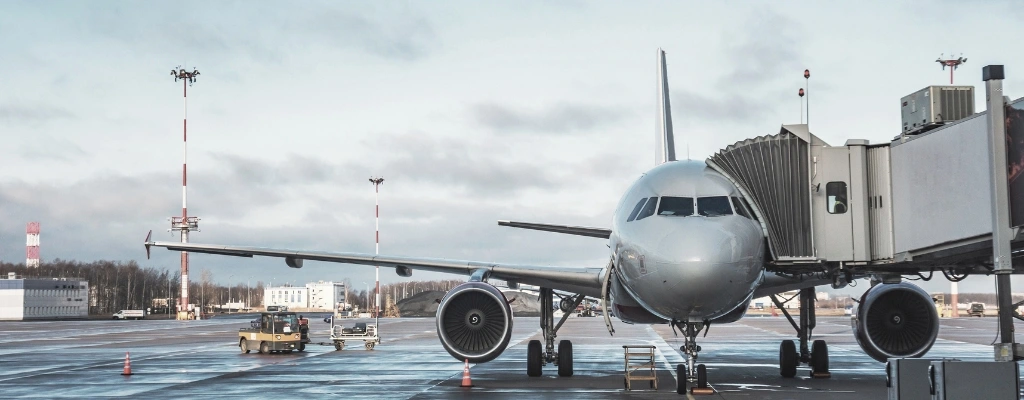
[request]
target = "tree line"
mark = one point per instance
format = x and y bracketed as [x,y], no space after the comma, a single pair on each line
[124,285]
[120,285]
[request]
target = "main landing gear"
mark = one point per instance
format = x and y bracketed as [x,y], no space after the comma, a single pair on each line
[537,357]
[691,371]
[817,356]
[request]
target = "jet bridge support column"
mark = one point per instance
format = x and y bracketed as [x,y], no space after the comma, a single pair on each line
[1001,231]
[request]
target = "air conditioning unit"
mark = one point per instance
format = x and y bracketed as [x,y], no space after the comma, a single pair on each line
[935,106]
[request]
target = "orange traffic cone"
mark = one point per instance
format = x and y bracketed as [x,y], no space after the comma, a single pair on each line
[127,365]
[466,382]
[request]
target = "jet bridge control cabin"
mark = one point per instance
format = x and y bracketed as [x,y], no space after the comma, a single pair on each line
[919,202]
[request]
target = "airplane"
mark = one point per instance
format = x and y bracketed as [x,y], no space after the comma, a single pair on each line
[686,249]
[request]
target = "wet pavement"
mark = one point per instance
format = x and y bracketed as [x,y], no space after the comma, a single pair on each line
[188,359]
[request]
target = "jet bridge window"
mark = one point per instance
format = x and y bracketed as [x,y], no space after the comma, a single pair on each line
[713,206]
[835,195]
[636,210]
[676,206]
[648,209]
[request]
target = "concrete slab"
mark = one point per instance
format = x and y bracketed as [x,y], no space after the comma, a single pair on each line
[176,359]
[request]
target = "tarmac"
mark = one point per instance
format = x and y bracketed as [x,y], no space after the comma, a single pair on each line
[191,359]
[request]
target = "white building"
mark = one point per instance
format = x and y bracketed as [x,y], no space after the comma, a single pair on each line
[327,296]
[290,296]
[324,296]
[43,298]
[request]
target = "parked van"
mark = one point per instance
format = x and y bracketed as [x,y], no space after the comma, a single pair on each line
[130,314]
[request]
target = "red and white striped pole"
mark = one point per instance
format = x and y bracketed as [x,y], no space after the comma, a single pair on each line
[376,200]
[184,195]
[185,224]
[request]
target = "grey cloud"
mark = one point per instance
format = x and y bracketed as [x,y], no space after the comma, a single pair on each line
[480,167]
[731,107]
[763,58]
[559,119]
[263,31]
[17,113]
[403,37]
[764,52]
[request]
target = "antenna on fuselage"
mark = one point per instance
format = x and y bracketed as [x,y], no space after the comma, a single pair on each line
[665,146]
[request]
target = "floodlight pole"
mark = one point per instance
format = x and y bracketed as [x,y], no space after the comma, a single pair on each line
[376,200]
[184,224]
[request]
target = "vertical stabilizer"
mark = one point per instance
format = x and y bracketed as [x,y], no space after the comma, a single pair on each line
[665,146]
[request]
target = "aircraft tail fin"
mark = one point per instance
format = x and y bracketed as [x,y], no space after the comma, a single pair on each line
[665,148]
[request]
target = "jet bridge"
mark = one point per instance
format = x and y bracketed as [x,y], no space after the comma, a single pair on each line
[920,201]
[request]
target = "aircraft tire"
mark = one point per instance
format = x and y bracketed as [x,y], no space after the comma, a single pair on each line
[533,358]
[819,357]
[681,376]
[565,358]
[787,359]
[702,376]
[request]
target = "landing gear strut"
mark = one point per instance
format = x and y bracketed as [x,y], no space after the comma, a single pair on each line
[536,357]
[817,355]
[691,372]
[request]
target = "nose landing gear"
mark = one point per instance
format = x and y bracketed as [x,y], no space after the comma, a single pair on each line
[691,372]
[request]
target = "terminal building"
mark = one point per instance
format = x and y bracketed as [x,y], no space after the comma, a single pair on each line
[315,296]
[43,298]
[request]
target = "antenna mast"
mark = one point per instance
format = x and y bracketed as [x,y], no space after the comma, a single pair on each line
[184,223]
[953,64]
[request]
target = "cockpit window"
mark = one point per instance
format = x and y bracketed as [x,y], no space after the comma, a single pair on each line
[676,206]
[739,207]
[713,206]
[636,210]
[648,209]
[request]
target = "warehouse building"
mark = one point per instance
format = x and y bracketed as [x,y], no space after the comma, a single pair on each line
[316,296]
[43,298]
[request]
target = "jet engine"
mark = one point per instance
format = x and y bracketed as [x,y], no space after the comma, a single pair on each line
[895,320]
[474,322]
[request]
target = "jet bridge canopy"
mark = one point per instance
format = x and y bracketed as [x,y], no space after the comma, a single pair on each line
[773,173]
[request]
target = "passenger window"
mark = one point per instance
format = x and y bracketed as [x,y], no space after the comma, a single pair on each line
[648,209]
[739,208]
[676,206]
[713,206]
[835,194]
[636,210]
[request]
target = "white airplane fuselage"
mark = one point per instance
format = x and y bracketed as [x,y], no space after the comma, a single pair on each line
[679,267]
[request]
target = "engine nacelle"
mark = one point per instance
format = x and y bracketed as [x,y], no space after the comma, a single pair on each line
[474,322]
[895,320]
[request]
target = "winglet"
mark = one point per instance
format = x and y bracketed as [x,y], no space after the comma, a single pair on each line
[148,243]
[665,147]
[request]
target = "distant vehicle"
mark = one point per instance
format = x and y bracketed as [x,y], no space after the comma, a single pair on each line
[130,314]
[277,308]
[977,310]
[848,310]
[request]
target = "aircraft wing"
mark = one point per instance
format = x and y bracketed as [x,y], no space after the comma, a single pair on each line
[577,280]
[570,230]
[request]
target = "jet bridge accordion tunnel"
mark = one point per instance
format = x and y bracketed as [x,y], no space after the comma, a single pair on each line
[814,201]
[921,201]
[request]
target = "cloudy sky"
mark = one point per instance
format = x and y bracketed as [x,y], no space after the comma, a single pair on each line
[536,111]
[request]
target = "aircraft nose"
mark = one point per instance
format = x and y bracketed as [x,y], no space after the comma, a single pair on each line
[705,274]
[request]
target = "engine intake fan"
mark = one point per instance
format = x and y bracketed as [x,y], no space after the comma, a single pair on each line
[895,320]
[474,322]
